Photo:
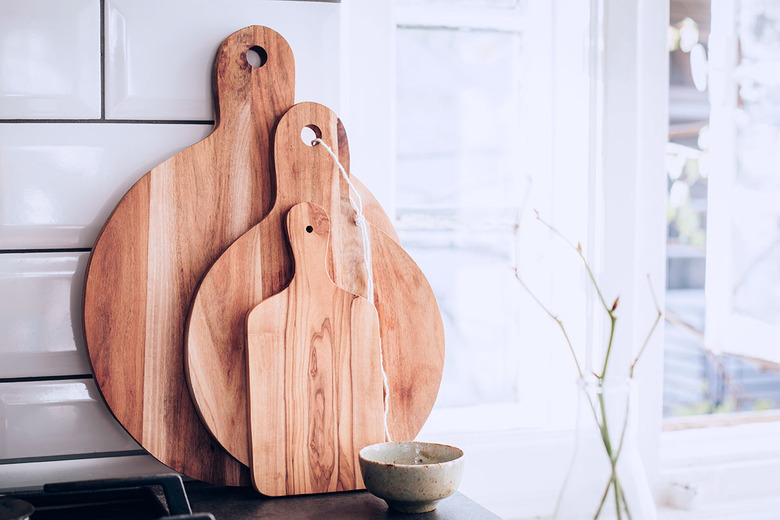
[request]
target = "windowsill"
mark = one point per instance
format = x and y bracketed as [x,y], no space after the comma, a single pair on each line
[754,509]
[720,420]
[733,470]
[717,442]
[725,467]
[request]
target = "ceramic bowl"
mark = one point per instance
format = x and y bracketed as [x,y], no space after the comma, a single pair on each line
[411,476]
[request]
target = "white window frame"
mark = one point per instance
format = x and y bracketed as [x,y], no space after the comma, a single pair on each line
[721,470]
[728,330]
[732,461]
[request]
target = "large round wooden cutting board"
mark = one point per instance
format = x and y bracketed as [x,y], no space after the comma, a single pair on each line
[259,265]
[159,242]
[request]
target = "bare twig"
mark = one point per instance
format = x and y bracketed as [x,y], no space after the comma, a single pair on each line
[732,386]
[671,317]
[554,317]
[609,310]
[658,317]
[578,249]
[621,504]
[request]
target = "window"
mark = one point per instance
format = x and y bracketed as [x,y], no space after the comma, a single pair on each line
[722,333]
[592,116]
[743,302]
[591,102]
[722,350]
[475,132]
[459,192]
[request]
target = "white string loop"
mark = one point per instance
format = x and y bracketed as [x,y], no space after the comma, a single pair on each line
[357,205]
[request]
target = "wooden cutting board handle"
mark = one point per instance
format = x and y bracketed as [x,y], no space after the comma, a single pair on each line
[314,378]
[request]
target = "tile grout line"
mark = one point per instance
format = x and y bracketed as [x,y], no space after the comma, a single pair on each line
[72,456]
[74,377]
[111,121]
[46,250]
[38,379]
[102,119]
[102,60]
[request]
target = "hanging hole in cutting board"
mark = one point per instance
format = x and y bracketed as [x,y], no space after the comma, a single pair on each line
[309,229]
[256,56]
[310,133]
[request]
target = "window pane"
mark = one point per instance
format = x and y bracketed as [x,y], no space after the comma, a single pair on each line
[459,187]
[458,107]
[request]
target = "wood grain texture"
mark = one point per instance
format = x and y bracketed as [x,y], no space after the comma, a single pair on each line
[258,266]
[159,242]
[313,373]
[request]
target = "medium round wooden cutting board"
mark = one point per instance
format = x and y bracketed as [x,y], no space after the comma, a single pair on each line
[160,240]
[258,265]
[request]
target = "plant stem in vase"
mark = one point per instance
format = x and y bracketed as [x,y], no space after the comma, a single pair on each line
[606,480]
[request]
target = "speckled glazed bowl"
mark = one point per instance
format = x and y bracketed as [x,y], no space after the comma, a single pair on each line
[411,476]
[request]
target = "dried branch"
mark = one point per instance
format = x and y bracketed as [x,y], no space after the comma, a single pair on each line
[554,317]
[578,249]
[658,317]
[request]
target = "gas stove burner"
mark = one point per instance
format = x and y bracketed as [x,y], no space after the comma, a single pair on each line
[138,498]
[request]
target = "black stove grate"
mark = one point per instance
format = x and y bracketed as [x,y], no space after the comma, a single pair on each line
[140,498]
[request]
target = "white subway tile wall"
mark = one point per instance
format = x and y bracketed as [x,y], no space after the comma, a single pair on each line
[69,405]
[154,66]
[85,111]
[60,182]
[24,475]
[50,59]
[40,316]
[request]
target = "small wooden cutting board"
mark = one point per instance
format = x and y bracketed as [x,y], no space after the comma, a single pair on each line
[314,377]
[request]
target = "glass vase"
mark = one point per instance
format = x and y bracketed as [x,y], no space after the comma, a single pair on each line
[606,480]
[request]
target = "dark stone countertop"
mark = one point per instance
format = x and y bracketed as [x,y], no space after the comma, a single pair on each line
[242,503]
